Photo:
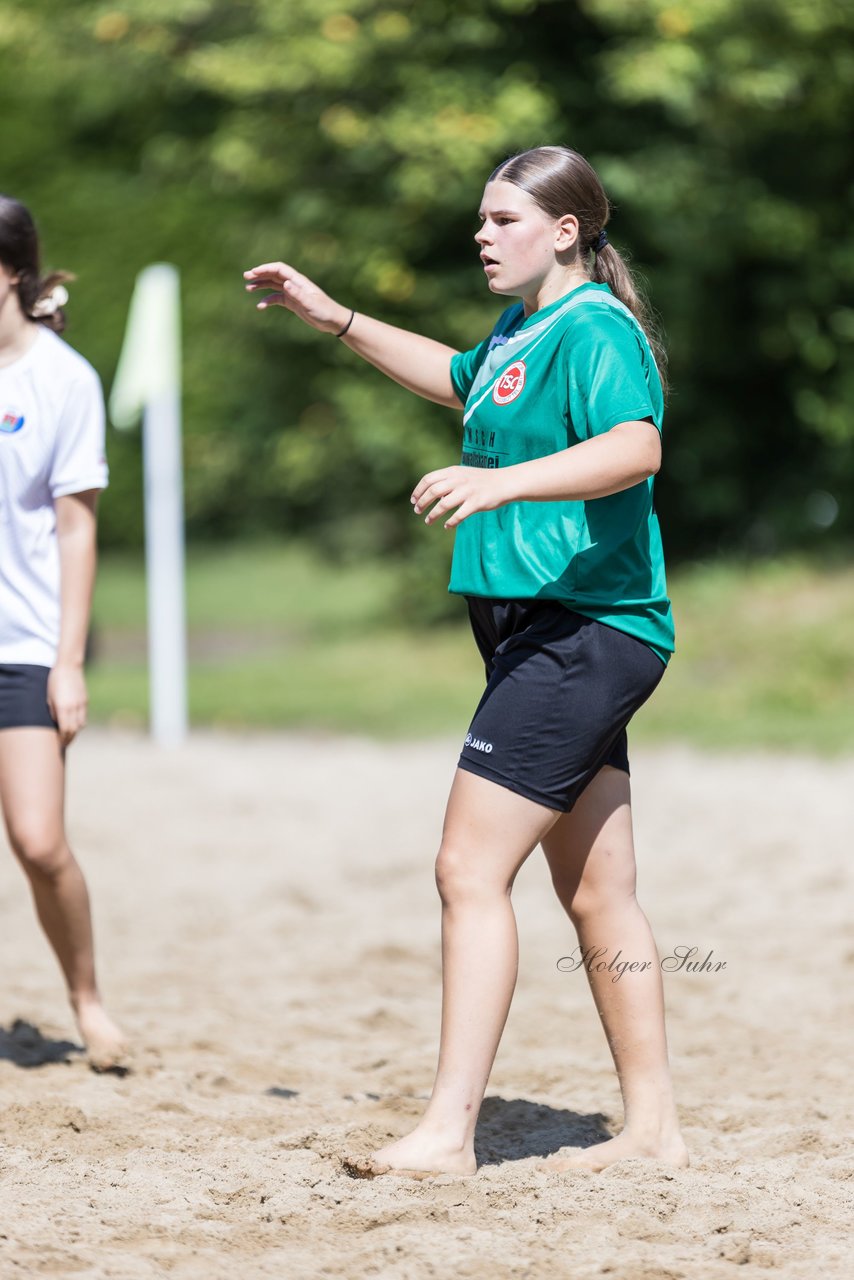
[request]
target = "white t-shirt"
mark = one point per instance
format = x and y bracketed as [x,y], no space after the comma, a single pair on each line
[51,444]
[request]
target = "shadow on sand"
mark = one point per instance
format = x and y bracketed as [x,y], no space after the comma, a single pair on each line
[519,1129]
[24,1044]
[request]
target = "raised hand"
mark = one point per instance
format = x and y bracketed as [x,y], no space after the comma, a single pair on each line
[296,293]
[418,363]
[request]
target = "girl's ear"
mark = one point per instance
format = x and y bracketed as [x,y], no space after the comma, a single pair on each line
[566,232]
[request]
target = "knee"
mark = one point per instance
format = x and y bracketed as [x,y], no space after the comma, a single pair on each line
[41,853]
[593,897]
[459,879]
[585,907]
[590,904]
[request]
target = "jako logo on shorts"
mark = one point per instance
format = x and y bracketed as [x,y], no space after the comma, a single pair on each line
[510,384]
[11,422]
[478,744]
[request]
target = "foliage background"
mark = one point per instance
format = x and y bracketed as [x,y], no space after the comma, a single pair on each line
[352,137]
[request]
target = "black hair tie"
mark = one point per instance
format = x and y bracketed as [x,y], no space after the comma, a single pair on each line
[341,332]
[599,243]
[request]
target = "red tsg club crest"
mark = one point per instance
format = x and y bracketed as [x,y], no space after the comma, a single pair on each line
[510,384]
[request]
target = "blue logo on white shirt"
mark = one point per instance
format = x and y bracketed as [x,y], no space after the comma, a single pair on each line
[11,422]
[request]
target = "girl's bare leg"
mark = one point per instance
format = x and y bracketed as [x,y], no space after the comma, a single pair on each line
[590,852]
[32,795]
[488,833]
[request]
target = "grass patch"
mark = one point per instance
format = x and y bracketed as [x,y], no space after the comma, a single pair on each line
[764,658]
[278,637]
[281,638]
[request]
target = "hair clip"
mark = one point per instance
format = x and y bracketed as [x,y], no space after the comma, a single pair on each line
[51,302]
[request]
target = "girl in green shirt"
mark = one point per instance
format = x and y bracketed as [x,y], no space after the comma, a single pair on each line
[558,554]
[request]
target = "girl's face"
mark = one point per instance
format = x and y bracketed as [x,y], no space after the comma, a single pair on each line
[521,246]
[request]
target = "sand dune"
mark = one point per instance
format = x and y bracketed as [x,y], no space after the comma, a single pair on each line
[268,933]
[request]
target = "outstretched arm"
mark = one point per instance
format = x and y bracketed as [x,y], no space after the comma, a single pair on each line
[417,363]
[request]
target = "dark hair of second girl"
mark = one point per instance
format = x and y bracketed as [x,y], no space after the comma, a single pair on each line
[19,253]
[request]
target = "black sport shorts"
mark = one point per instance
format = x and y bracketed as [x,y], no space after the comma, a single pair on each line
[561,690]
[23,697]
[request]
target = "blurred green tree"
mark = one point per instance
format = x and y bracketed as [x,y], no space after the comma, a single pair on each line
[740,185]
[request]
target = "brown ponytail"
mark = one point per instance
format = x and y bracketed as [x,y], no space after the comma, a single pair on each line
[19,253]
[561,181]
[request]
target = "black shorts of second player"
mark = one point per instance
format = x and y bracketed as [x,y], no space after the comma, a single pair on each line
[561,690]
[23,697]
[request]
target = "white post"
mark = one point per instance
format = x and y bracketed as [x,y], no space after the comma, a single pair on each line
[148,380]
[164,562]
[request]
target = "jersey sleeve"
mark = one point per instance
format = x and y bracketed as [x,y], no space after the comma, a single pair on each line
[465,364]
[79,460]
[611,375]
[464,367]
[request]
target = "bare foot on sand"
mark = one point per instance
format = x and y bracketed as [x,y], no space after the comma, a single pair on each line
[594,1159]
[106,1047]
[415,1156]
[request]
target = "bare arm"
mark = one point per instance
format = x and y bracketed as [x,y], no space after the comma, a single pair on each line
[622,457]
[417,363]
[75,531]
[595,468]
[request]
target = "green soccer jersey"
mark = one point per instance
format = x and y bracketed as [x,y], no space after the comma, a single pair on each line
[538,385]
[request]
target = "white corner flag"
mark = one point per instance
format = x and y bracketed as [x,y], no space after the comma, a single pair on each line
[148,384]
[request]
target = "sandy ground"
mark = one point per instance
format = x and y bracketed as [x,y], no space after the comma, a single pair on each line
[268,932]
